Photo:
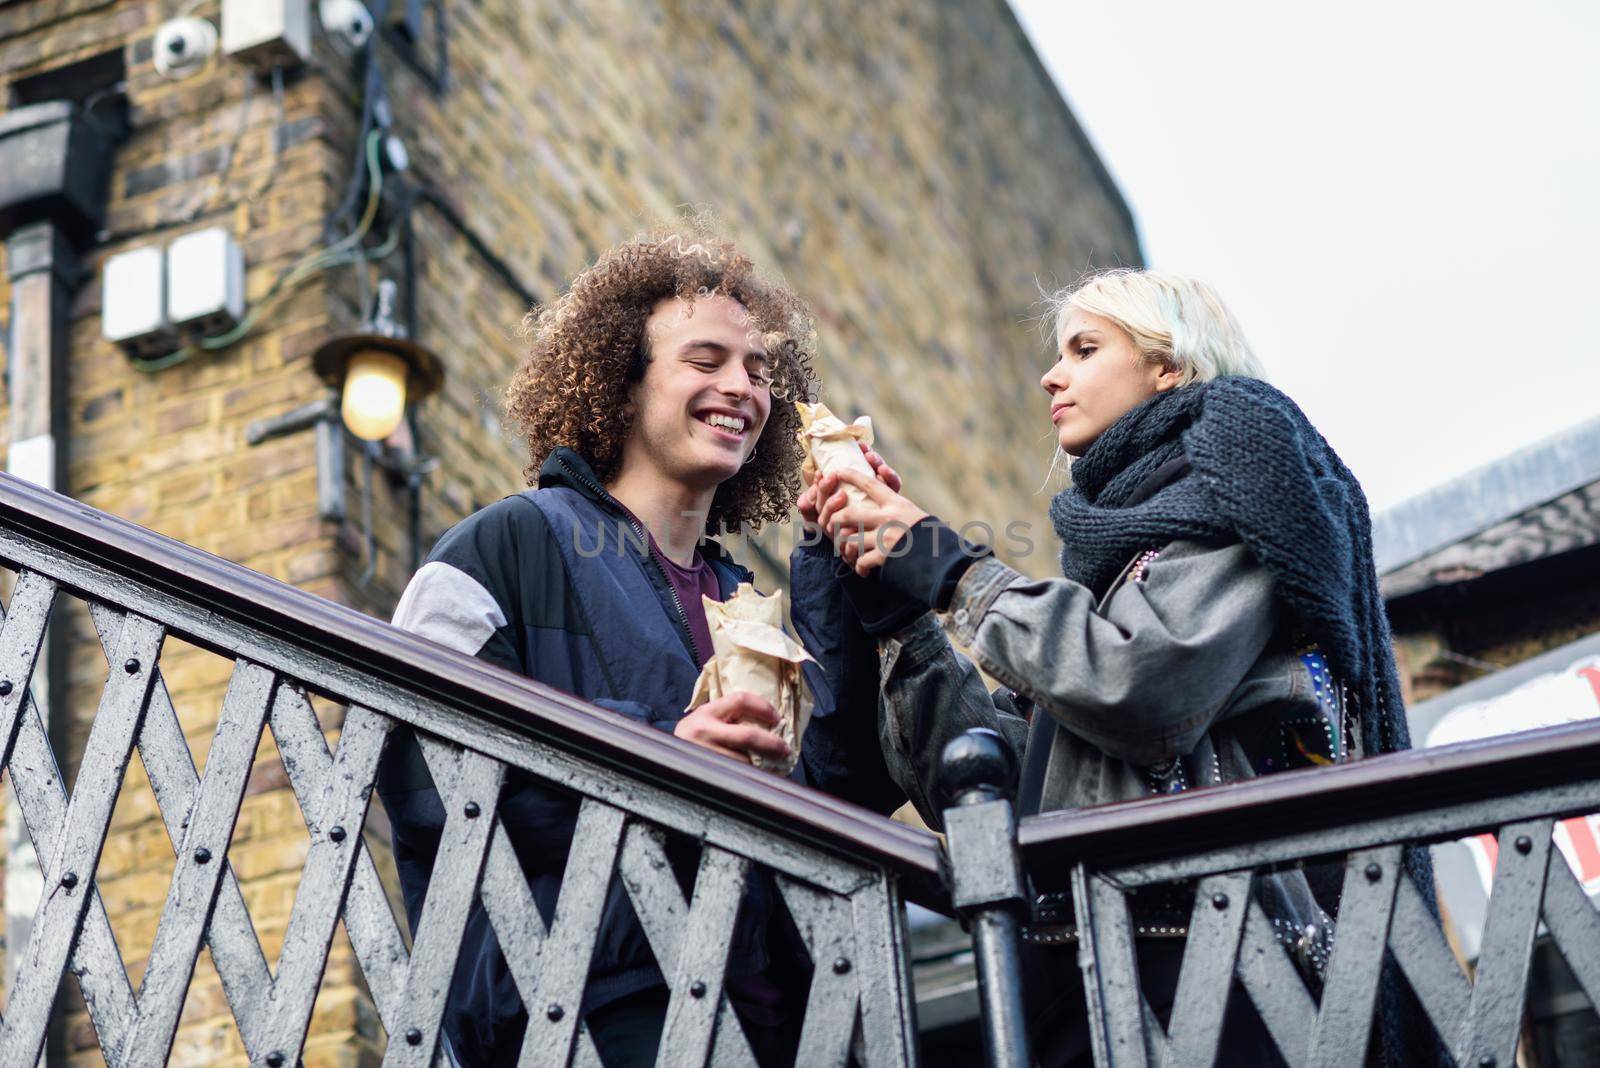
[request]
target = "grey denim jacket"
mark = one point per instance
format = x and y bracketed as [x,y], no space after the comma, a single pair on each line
[1183,674]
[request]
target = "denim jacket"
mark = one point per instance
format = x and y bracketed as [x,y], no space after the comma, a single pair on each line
[1183,675]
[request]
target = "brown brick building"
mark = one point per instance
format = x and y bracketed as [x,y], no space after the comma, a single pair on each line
[907,166]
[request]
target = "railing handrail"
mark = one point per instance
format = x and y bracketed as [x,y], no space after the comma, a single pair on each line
[500,698]
[1311,800]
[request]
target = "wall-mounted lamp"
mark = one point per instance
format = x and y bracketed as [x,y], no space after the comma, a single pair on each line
[378,371]
[374,374]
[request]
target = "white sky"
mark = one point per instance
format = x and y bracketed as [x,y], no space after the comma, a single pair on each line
[1400,200]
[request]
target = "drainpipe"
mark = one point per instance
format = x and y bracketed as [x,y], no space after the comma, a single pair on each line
[54,168]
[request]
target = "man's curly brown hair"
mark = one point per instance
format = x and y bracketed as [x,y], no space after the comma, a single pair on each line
[589,347]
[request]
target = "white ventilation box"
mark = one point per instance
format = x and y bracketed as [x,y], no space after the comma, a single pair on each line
[263,34]
[205,282]
[133,303]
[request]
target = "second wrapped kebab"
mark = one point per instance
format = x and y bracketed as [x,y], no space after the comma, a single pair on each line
[754,654]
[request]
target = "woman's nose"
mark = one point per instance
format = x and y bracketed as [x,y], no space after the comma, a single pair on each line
[1054,380]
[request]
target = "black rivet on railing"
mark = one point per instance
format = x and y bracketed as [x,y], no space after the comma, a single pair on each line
[202,855]
[472,810]
[697,989]
[1487,1061]
[336,834]
[131,665]
[1219,901]
[414,1037]
[275,1059]
[554,1012]
[69,880]
[1374,872]
[1524,844]
[841,965]
[5,687]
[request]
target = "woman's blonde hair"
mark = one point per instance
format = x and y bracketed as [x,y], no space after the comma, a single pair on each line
[1175,321]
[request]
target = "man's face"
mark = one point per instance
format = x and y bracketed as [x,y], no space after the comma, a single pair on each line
[706,391]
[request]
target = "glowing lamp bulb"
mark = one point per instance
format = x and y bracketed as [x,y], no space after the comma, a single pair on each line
[374,394]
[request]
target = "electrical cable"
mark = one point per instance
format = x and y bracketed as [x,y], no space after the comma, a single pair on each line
[372,90]
[301,271]
[339,252]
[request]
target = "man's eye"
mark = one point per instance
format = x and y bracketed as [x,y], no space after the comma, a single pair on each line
[704,365]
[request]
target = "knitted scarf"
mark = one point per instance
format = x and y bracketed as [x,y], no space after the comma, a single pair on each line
[1260,474]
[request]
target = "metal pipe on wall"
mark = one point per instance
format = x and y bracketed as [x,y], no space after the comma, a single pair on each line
[53,177]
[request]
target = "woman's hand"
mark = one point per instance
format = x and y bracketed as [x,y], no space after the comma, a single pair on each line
[736,725]
[865,534]
[810,502]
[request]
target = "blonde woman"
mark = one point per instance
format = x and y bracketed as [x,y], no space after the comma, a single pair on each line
[1218,619]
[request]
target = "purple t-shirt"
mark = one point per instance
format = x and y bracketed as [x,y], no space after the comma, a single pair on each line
[690,584]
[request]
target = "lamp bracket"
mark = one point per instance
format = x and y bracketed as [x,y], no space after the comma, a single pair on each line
[323,415]
[292,422]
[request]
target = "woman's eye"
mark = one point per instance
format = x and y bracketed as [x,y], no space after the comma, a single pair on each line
[1085,352]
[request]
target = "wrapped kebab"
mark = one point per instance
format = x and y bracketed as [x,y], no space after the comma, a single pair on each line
[755,654]
[832,445]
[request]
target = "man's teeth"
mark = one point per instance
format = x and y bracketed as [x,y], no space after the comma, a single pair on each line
[726,422]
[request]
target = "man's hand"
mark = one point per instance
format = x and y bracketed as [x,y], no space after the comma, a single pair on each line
[737,725]
[810,502]
[865,534]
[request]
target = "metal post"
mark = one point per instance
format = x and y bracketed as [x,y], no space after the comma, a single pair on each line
[44,272]
[977,772]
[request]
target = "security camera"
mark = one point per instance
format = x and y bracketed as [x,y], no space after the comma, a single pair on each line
[183,45]
[348,22]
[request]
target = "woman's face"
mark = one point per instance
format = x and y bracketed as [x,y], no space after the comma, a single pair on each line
[1099,377]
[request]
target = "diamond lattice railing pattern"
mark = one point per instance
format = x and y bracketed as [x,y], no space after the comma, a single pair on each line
[1352,823]
[842,873]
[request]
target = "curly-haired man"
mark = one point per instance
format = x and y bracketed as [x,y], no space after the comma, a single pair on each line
[653,399]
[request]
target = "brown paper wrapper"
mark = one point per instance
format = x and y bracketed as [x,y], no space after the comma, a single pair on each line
[755,654]
[832,445]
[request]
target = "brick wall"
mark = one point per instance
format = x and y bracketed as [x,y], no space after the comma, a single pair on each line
[906,165]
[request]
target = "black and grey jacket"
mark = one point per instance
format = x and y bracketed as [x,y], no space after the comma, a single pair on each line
[549,584]
[1184,674]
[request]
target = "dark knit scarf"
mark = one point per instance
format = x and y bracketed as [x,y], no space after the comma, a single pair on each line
[1260,474]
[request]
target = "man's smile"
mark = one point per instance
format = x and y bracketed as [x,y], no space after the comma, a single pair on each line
[725,424]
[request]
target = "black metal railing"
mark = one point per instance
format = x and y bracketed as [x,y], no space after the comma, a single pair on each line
[842,872]
[1356,819]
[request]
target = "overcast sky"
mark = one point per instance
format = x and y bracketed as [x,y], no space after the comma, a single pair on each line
[1400,201]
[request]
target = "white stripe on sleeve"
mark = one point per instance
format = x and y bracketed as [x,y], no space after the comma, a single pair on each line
[450,606]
